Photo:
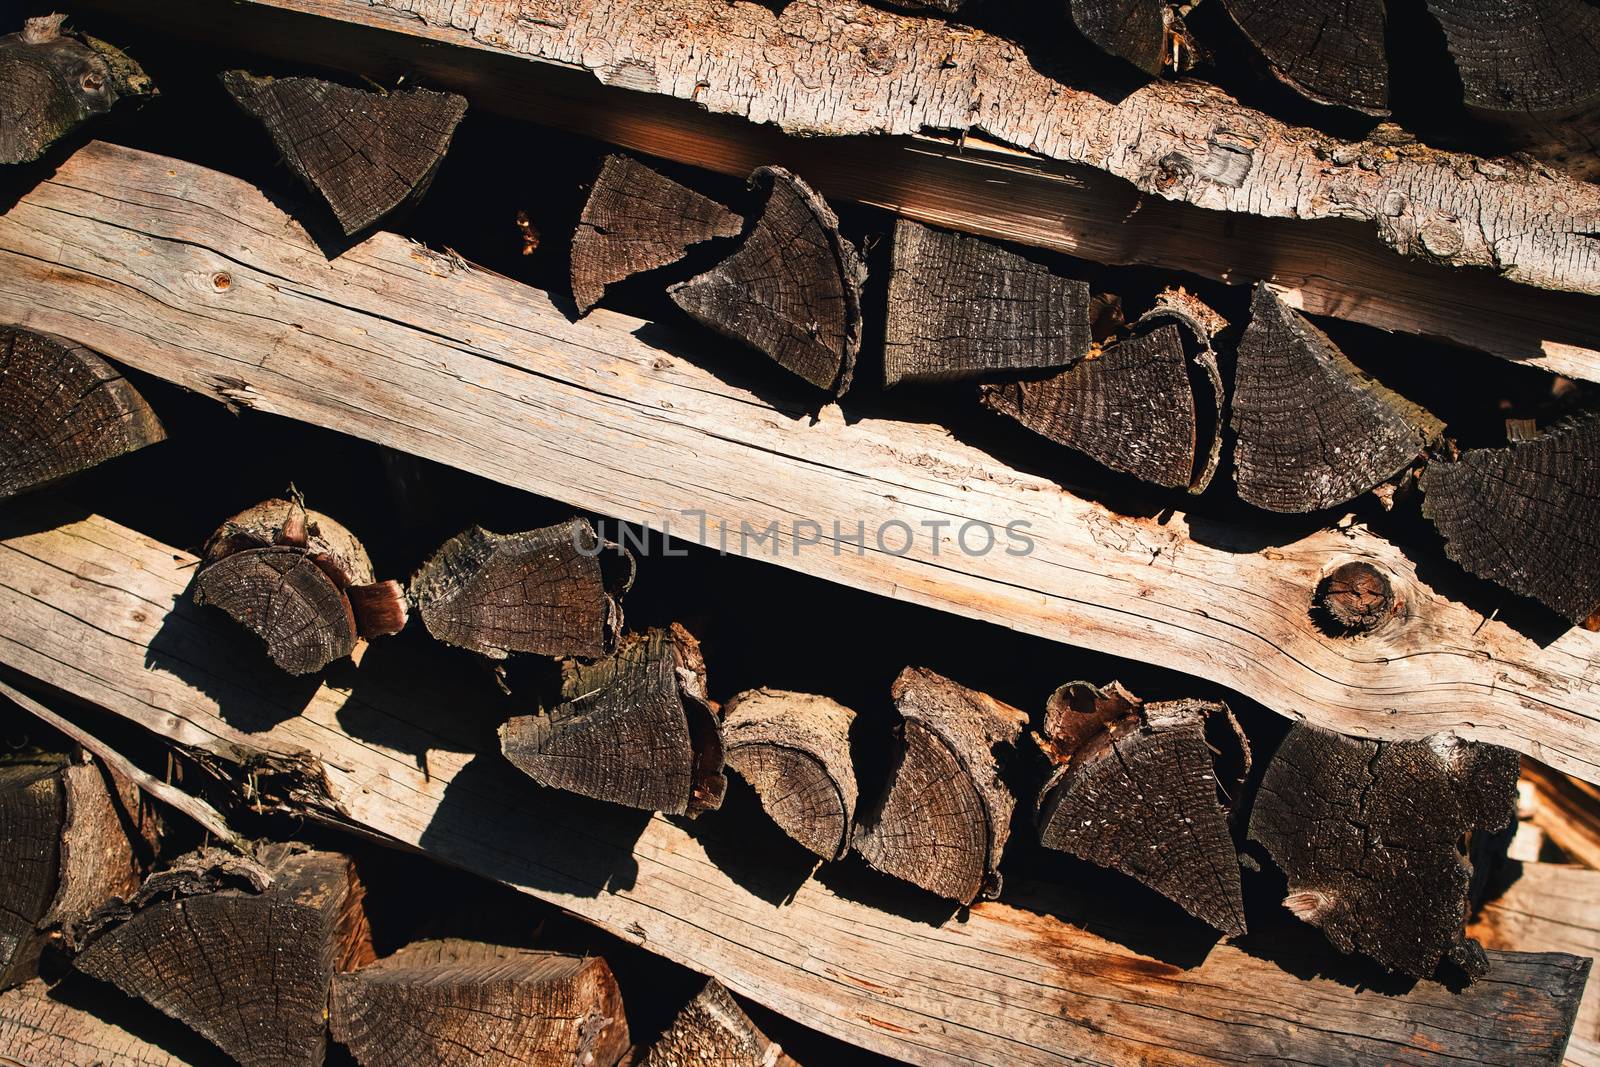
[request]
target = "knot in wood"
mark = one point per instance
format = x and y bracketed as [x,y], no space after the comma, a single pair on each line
[91,82]
[1441,238]
[221,281]
[1172,168]
[1356,597]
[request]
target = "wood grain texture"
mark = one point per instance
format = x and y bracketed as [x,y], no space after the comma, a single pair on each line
[1330,51]
[1012,985]
[794,750]
[520,395]
[40,1029]
[713,1031]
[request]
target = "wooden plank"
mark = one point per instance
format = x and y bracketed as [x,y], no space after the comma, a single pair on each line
[1322,262]
[100,611]
[197,278]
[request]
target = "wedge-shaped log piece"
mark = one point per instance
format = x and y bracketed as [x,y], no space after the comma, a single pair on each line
[455,1003]
[634,728]
[541,591]
[366,152]
[1313,430]
[713,1031]
[63,409]
[794,750]
[942,823]
[1135,789]
[52,82]
[1370,834]
[1135,30]
[242,952]
[41,1028]
[1330,51]
[635,220]
[962,307]
[792,290]
[1527,516]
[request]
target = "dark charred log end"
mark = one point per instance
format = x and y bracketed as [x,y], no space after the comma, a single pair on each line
[380,609]
[1138,31]
[1354,598]
[1328,53]
[283,597]
[794,751]
[51,82]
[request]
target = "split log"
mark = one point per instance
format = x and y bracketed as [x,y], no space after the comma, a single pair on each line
[459,1003]
[1565,809]
[793,289]
[962,307]
[541,591]
[1139,31]
[1370,834]
[40,1029]
[1527,516]
[65,850]
[1064,994]
[1328,51]
[1180,591]
[1134,789]
[367,153]
[713,1031]
[1314,431]
[794,750]
[635,728]
[943,821]
[635,220]
[53,82]
[242,952]
[63,409]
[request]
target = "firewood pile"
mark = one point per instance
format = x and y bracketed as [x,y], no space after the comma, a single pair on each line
[1176,426]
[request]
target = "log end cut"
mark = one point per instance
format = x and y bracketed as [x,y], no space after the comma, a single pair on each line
[794,750]
[51,82]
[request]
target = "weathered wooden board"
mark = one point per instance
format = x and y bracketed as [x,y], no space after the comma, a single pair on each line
[991,146]
[99,610]
[197,278]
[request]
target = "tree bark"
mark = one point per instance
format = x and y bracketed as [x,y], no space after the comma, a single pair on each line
[51,83]
[794,750]
[713,1031]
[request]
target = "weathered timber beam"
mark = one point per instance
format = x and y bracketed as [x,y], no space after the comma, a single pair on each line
[1320,248]
[99,611]
[410,349]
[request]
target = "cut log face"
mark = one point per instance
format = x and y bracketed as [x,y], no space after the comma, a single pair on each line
[32,809]
[63,409]
[1330,51]
[962,307]
[242,953]
[37,1029]
[634,728]
[1134,30]
[1527,516]
[285,599]
[791,291]
[942,823]
[1523,60]
[1371,834]
[52,82]
[541,591]
[794,750]
[713,1031]
[367,153]
[1313,430]
[635,220]
[1135,790]
[455,1003]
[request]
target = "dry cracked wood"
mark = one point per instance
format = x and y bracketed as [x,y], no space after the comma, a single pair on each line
[892,982]
[792,290]
[1330,51]
[1565,809]
[1134,789]
[519,394]
[713,1031]
[1139,31]
[1314,431]
[1370,834]
[963,307]
[241,952]
[794,750]
[1527,516]
[943,821]
[38,1028]
[366,152]
[635,728]
[456,1003]
[540,591]
[63,409]
[635,220]
[52,82]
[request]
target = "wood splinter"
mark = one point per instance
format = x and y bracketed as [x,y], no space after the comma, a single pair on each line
[635,728]
[52,82]
[637,219]
[542,591]
[792,290]
[63,409]
[942,823]
[794,750]
[300,581]
[713,1030]
[367,153]
[454,1003]
[1135,789]
[1370,834]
